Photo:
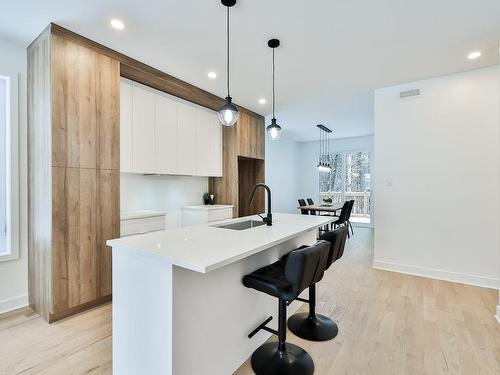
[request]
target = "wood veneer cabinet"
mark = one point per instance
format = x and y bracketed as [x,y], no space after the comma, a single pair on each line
[73,174]
[243,165]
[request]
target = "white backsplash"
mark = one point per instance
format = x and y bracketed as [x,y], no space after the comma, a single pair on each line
[168,193]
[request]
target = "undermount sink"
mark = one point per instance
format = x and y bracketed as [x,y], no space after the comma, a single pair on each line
[242,225]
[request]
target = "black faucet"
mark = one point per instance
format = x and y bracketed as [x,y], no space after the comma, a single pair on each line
[269,217]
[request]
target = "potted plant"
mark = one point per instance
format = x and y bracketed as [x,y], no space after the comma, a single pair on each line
[206,198]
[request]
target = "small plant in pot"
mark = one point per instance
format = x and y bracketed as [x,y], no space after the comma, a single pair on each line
[206,198]
[327,200]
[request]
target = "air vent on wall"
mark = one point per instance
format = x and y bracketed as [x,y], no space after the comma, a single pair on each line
[409,94]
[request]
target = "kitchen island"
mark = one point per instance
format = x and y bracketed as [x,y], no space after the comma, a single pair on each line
[178,303]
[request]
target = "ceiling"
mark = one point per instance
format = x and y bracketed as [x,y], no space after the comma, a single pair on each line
[333,53]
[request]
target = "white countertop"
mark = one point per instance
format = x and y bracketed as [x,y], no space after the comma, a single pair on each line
[127,215]
[204,248]
[207,207]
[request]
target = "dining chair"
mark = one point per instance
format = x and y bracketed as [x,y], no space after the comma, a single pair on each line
[310,202]
[343,217]
[302,203]
[349,224]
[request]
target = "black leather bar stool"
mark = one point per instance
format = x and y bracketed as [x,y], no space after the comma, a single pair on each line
[285,280]
[309,325]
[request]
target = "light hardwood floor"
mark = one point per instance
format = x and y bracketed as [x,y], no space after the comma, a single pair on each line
[389,324]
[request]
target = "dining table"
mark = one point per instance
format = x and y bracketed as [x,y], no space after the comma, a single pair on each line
[330,208]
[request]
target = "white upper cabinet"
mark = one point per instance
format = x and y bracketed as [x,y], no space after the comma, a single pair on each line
[166,114]
[202,142]
[143,120]
[166,135]
[215,142]
[126,132]
[186,139]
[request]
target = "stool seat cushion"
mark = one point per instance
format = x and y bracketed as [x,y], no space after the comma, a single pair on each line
[270,280]
[288,277]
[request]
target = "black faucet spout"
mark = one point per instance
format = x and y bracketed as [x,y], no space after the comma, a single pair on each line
[269,217]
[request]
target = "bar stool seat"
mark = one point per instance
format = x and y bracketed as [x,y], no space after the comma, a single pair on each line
[285,280]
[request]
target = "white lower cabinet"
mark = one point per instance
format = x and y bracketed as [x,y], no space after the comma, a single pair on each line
[163,134]
[193,215]
[139,222]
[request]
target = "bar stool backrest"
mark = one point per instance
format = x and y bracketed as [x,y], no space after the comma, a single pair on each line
[306,266]
[337,239]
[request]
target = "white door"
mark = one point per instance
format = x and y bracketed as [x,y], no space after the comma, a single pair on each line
[126,130]
[166,117]
[186,139]
[143,129]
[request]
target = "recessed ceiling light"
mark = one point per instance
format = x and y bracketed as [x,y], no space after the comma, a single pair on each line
[117,24]
[212,75]
[474,55]
[262,101]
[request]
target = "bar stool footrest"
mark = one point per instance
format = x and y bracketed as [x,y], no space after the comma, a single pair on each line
[264,327]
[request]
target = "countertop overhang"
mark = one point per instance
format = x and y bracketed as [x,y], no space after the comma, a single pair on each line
[204,248]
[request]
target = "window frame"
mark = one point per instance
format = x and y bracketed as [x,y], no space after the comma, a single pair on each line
[12,167]
[369,151]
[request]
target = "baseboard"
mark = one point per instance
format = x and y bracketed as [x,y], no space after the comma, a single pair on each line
[498,314]
[462,278]
[13,303]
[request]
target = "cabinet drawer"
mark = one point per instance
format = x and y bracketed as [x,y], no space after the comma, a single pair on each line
[142,225]
[223,213]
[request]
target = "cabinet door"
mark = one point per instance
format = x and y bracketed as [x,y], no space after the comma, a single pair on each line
[186,139]
[143,115]
[126,130]
[166,118]
[74,237]
[202,142]
[215,169]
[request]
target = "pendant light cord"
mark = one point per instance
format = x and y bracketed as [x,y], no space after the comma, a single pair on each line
[274,96]
[227,64]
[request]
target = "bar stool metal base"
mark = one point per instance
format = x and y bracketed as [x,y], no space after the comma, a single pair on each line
[268,360]
[313,328]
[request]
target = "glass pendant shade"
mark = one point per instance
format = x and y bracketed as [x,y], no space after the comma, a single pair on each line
[274,130]
[228,113]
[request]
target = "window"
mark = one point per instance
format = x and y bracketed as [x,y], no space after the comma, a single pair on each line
[349,179]
[8,169]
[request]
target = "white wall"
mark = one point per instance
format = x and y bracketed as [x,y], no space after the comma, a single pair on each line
[436,178]
[308,160]
[169,193]
[14,273]
[282,173]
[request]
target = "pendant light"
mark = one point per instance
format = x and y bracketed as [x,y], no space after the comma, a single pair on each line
[324,164]
[228,113]
[274,130]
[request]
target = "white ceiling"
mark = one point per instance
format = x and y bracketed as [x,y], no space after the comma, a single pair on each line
[333,53]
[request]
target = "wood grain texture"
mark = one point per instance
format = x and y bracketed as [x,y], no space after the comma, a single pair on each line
[80,182]
[74,233]
[250,172]
[389,323]
[108,112]
[74,111]
[108,224]
[246,139]
[39,173]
